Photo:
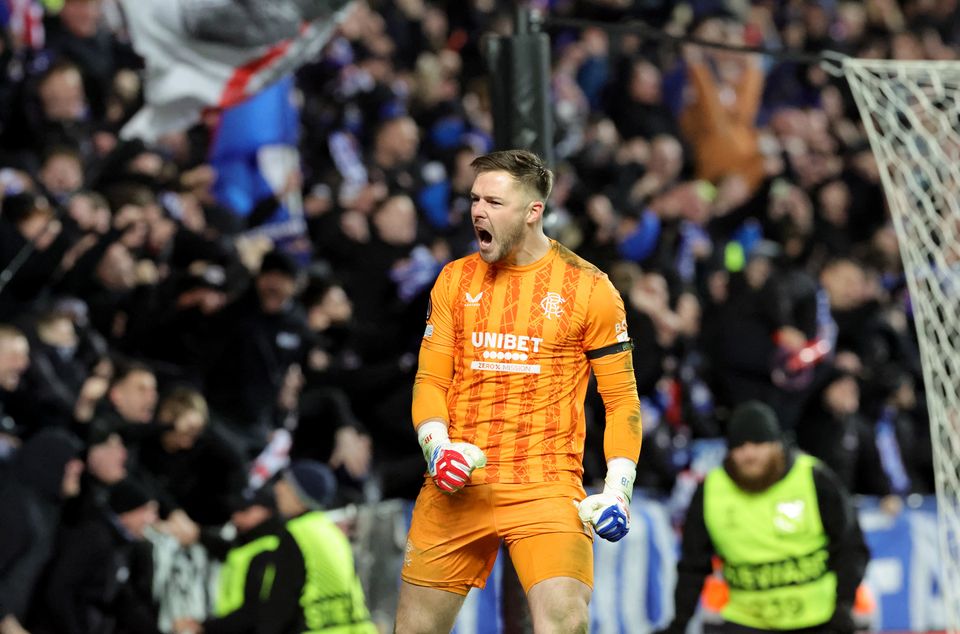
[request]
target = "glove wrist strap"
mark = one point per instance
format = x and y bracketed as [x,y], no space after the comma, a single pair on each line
[621,472]
[430,435]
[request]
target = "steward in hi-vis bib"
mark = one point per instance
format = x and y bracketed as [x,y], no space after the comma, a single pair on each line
[785,532]
[774,550]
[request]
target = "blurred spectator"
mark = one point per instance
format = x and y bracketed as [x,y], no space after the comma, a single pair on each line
[97,582]
[384,274]
[105,465]
[42,475]
[180,336]
[262,335]
[742,337]
[190,467]
[31,246]
[63,117]
[310,543]
[338,422]
[78,34]
[833,431]
[719,120]
[128,407]
[58,373]
[242,576]
[61,173]
[14,361]
[643,112]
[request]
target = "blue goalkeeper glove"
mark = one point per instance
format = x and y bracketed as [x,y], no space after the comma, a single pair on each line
[609,512]
[450,464]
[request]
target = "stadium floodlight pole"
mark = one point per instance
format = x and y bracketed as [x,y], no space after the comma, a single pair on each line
[518,67]
[521,19]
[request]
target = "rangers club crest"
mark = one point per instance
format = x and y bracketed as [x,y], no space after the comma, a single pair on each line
[552,304]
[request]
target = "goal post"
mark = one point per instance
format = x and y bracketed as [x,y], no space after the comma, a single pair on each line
[911,112]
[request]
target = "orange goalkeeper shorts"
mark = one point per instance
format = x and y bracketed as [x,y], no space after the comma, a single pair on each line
[454,539]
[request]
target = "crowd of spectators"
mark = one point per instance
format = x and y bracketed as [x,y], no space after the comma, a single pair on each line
[149,343]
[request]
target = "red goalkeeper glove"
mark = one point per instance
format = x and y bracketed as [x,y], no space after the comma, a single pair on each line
[450,464]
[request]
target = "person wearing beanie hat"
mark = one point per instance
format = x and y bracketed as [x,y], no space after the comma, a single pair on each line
[785,530]
[311,487]
[836,431]
[93,580]
[277,261]
[313,584]
[105,462]
[129,495]
[41,476]
[753,422]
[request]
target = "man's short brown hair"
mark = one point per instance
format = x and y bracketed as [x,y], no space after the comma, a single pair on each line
[525,167]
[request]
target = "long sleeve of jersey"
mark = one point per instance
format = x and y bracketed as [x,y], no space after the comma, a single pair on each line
[608,348]
[434,376]
[617,385]
[435,370]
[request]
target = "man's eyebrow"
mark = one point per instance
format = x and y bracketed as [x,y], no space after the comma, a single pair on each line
[487,197]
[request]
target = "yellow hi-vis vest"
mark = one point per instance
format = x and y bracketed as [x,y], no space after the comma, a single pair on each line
[233,574]
[774,550]
[332,599]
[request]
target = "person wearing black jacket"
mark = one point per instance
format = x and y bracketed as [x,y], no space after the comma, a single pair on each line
[242,580]
[785,529]
[834,431]
[105,465]
[31,247]
[57,372]
[188,467]
[99,581]
[14,362]
[263,334]
[302,580]
[315,587]
[44,472]
[128,408]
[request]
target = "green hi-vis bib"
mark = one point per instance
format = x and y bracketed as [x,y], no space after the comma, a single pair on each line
[332,599]
[233,574]
[774,550]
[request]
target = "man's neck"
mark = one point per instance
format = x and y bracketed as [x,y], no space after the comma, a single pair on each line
[533,248]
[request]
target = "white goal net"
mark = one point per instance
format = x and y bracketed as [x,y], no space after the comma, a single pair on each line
[911,111]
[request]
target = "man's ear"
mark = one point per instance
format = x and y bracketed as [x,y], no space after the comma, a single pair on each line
[535,211]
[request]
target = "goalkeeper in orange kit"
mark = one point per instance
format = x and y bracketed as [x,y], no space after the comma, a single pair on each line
[512,334]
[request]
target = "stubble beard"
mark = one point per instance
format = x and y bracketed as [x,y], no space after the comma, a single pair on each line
[511,239]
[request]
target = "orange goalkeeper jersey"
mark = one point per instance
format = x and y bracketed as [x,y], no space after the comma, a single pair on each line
[506,357]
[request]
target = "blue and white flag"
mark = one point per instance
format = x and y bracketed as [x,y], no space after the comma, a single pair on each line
[216,53]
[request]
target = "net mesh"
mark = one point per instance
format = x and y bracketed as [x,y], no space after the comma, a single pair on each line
[911,111]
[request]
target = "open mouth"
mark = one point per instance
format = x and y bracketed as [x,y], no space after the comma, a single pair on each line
[483,237]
